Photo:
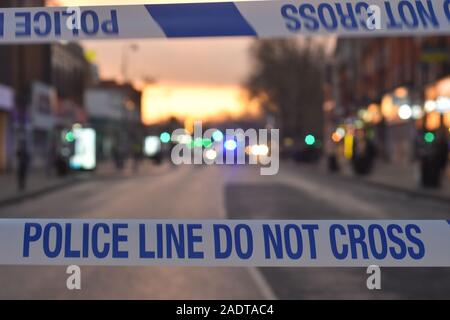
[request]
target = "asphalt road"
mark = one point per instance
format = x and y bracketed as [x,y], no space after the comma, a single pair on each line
[203,192]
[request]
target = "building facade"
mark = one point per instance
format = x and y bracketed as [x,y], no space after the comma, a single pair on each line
[390,83]
[114,110]
[20,67]
[48,84]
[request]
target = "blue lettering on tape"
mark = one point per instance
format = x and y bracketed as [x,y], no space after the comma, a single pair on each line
[376,242]
[44,24]
[220,252]
[70,253]
[193,239]
[32,233]
[236,243]
[89,22]
[52,230]
[353,16]
[2,22]
[182,238]
[118,238]
[23,24]
[447,9]
[289,240]
[44,20]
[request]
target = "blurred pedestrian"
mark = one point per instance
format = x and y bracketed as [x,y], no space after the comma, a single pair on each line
[137,156]
[433,158]
[442,149]
[51,158]
[364,153]
[118,157]
[61,164]
[23,159]
[333,164]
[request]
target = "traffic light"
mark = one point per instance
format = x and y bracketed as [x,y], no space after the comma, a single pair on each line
[230,145]
[164,137]
[310,139]
[206,143]
[429,137]
[69,136]
[217,135]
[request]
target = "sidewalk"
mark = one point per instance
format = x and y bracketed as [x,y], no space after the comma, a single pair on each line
[39,182]
[403,178]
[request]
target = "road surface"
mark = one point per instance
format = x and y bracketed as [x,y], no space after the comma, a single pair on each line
[219,192]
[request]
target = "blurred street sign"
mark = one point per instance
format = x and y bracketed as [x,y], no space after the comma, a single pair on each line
[6,98]
[152,146]
[84,157]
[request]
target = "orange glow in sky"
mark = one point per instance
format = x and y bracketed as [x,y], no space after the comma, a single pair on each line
[202,75]
[195,102]
[195,78]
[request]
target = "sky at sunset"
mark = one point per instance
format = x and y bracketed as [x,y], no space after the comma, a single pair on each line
[211,69]
[214,67]
[174,60]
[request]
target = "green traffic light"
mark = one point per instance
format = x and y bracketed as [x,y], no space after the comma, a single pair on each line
[429,137]
[206,143]
[310,139]
[69,136]
[198,142]
[164,137]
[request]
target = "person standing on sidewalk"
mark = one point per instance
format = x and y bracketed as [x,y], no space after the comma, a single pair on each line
[442,152]
[364,152]
[23,160]
[118,156]
[137,156]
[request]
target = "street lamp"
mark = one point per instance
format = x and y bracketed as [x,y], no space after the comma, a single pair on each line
[125,50]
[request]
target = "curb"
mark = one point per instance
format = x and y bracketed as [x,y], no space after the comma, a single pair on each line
[32,194]
[67,183]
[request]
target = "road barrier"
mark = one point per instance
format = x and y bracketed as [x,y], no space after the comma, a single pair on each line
[247,18]
[296,243]
[352,243]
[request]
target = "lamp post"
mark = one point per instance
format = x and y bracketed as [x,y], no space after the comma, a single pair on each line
[124,63]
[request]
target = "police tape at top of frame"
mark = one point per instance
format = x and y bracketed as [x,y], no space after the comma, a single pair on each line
[246,18]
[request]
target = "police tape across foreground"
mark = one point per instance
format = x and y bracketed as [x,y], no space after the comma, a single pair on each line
[225,242]
[246,18]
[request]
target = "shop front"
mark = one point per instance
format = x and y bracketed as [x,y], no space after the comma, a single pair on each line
[437,119]
[42,114]
[6,143]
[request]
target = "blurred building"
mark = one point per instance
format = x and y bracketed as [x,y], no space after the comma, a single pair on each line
[6,129]
[20,67]
[48,84]
[388,83]
[114,110]
[71,75]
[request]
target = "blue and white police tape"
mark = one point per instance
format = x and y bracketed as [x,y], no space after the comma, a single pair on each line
[341,243]
[246,18]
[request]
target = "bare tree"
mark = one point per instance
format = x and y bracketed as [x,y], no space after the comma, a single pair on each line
[287,78]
